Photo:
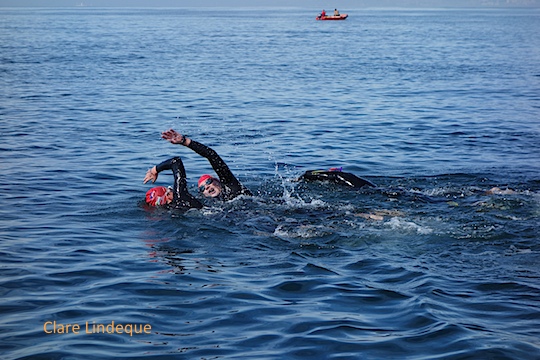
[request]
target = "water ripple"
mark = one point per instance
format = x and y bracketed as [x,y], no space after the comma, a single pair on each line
[435,107]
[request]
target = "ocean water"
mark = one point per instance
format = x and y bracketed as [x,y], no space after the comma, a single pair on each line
[434,106]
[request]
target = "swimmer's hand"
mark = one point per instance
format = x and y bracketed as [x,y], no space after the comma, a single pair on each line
[175,137]
[151,175]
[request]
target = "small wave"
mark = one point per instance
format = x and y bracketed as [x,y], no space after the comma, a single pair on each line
[297,202]
[446,191]
[409,226]
[301,231]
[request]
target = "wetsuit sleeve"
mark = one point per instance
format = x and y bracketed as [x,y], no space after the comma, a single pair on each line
[227,178]
[182,198]
[220,167]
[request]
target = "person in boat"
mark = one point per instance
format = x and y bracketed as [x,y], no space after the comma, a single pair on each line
[336,12]
[223,187]
[323,14]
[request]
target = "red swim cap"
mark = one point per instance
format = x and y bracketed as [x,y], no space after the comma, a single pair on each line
[156,196]
[203,178]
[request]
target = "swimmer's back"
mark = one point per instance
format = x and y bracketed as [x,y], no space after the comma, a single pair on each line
[337,177]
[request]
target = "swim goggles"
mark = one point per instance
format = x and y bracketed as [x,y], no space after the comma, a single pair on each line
[207,182]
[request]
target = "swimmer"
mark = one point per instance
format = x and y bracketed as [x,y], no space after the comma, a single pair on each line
[224,187]
[337,176]
[494,191]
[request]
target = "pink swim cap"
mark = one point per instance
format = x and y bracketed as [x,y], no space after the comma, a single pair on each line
[203,178]
[157,196]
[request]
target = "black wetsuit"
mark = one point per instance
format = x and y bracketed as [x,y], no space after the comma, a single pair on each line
[182,199]
[338,177]
[231,187]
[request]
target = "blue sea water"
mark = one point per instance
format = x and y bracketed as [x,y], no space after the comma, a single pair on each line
[434,106]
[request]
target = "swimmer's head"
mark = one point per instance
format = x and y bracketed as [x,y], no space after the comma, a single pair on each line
[159,196]
[209,186]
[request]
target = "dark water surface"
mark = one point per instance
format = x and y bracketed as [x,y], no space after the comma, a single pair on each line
[435,107]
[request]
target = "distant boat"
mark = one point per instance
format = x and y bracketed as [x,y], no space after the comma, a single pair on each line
[332,17]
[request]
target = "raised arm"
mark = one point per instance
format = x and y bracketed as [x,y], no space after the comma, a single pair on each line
[217,163]
[233,187]
[181,196]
